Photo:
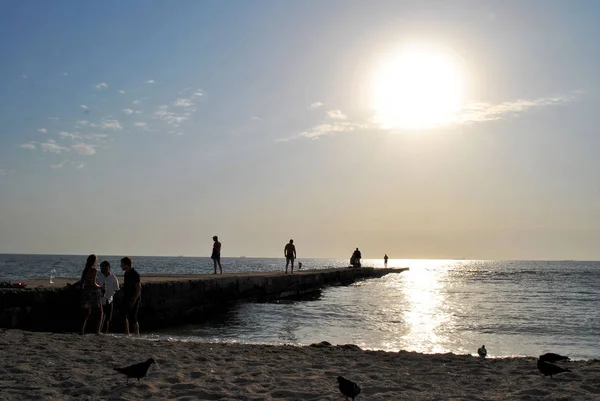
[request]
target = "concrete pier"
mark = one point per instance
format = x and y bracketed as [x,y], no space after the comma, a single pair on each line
[169,300]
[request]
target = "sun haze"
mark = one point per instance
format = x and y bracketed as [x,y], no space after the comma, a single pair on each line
[420,129]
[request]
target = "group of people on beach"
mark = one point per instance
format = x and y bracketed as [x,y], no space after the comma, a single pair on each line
[98,290]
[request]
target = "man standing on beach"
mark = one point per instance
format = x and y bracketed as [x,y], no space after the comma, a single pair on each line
[290,254]
[110,285]
[385,259]
[132,291]
[216,254]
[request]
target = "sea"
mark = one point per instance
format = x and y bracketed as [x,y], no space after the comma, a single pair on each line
[514,308]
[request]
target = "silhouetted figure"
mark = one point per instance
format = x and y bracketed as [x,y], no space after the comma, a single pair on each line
[216,254]
[482,352]
[91,294]
[549,369]
[348,388]
[110,285]
[136,371]
[385,259]
[552,357]
[300,266]
[355,258]
[290,255]
[132,293]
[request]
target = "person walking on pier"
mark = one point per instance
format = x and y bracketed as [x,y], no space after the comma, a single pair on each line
[290,254]
[385,259]
[216,254]
[132,292]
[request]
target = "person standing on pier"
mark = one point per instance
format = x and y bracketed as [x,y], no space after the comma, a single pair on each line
[290,254]
[385,259]
[132,292]
[216,254]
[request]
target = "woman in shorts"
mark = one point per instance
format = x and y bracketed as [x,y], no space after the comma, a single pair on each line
[91,294]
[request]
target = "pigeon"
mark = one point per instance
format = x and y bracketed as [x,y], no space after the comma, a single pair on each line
[549,369]
[552,357]
[348,388]
[136,371]
[482,351]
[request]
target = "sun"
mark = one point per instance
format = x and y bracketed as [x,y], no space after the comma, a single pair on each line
[418,87]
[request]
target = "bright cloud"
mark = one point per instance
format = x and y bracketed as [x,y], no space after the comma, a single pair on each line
[136,102]
[198,93]
[480,112]
[337,114]
[29,146]
[84,107]
[83,122]
[127,111]
[315,105]
[121,91]
[42,130]
[102,85]
[150,81]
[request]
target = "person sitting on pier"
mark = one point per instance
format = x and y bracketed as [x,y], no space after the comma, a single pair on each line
[355,258]
[290,254]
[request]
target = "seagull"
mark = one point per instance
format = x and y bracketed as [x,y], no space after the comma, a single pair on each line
[482,352]
[549,369]
[136,371]
[348,388]
[552,357]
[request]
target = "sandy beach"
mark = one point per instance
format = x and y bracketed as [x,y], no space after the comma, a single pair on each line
[70,366]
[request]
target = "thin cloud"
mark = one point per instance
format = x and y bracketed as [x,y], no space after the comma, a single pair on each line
[53,147]
[320,130]
[24,76]
[83,122]
[198,93]
[4,172]
[102,85]
[136,102]
[53,118]
[140,124]
[57,166]
[72,135]
[127,111]
[113,125]
[169,117]
[28,146]
[181,102]
[150,81]
[84,149]
[336,114]
[315,105]
[42,130]
[84,107]
[80,166]
[121,91]
[255,118]
[64,74]
[481,112]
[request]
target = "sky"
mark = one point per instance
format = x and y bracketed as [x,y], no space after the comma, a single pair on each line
[146,127]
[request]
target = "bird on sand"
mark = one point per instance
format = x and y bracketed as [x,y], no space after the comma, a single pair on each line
[136,371]
[348,388]
[549,369]
[482,351]
[552,357]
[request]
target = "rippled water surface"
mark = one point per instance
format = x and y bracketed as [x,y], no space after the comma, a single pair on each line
[514,308]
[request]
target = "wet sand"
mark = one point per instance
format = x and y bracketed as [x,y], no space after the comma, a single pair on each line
[70,366]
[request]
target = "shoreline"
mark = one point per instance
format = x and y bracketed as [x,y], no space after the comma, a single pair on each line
[69,366]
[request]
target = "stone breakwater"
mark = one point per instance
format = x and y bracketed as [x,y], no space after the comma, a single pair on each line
[170,300]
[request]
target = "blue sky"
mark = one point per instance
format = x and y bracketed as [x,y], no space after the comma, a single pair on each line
[146,127]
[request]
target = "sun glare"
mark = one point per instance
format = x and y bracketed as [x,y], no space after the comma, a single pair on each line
[417,87]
